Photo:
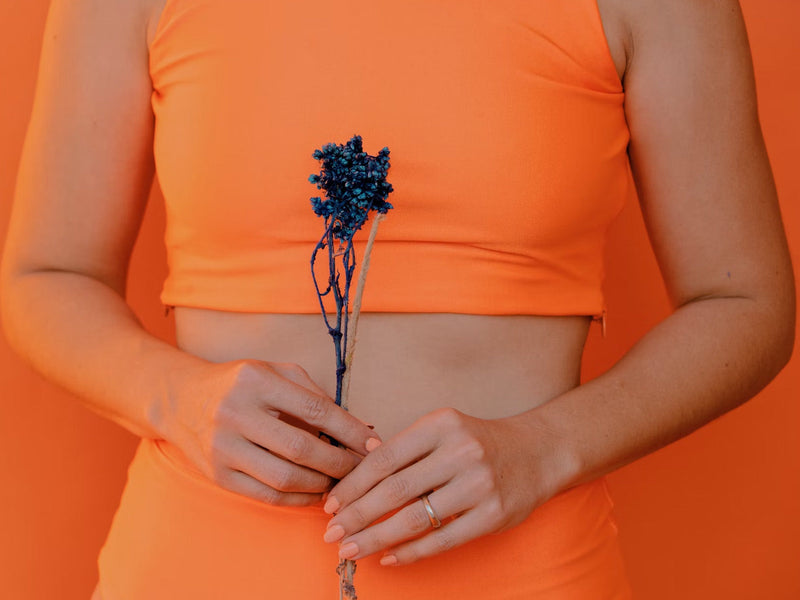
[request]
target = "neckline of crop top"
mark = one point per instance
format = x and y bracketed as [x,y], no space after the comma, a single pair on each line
[508,147]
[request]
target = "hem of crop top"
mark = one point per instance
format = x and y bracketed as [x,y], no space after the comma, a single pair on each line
[601,318]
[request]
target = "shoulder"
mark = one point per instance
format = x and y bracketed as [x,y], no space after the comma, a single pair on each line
[678,17]
[93,22]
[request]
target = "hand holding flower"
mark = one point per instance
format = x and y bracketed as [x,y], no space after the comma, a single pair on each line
[486,476]
[240,438]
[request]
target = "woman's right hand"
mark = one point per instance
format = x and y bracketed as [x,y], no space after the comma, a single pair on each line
[252,427]
[65,268]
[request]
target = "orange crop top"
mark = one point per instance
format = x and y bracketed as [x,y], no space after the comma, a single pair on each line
[507,135]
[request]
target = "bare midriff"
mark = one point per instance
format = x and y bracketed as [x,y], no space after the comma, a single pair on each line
[406,365]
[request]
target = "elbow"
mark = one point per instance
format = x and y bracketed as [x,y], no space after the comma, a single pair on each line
[9,317]
[786,341]
[16,307]
[6,302]
[772,321]
[782,335]
[789,327]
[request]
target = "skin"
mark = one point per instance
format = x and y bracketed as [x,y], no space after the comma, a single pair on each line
[493,434]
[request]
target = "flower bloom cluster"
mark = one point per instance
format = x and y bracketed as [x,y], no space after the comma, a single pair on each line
[354,183]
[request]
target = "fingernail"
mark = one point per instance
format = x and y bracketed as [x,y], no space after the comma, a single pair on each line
[388,560]
[331,505]
[372,443]
[349,550]
[334,533]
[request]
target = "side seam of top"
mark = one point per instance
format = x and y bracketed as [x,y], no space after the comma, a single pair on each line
[600,32]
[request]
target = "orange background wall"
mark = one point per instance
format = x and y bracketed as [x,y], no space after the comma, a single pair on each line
[716,515]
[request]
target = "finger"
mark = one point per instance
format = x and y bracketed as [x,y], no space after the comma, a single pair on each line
[243,484]
[276,472]
[322,413]
[405,448]
[299,447]
[297,374]
[407,523]
[393,492]
[468,526]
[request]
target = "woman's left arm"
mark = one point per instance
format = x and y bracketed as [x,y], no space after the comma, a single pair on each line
[712,214]
[711,210]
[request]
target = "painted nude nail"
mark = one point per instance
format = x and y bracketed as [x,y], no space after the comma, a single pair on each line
[334,533]
[331,505]
[389,560]
[372,443]
[349,550]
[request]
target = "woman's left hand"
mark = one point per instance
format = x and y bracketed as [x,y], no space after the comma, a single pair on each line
[481,476]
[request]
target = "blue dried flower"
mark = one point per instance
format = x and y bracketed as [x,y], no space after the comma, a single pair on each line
[354,183]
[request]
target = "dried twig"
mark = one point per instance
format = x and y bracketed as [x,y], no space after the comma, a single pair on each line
[353,325]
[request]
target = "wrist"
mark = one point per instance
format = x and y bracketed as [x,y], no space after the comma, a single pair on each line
[178,375]
[552,453]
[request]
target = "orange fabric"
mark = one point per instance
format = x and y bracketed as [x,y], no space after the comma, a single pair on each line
[712,517]
[177,535]
[508,139]
[504,120]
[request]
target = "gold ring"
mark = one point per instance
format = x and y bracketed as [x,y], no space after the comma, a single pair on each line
[435,522]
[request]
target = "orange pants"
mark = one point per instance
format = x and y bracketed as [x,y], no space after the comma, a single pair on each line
[176,535]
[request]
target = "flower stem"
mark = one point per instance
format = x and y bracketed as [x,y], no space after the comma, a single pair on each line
[346,571]
[353,324]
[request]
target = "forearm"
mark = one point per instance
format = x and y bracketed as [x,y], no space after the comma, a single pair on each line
[707,358]
[80,334]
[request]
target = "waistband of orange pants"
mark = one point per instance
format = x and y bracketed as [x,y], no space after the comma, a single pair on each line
[178,535]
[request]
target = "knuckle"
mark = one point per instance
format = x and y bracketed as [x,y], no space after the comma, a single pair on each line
[473,450]
[223,411]
[382,459]
[314,409]
[350,426]
[283,479]
[416,519]
[359,516]
[297,447]
[322,483]
[448,418]
[485,480]
[296,369]
[398,489]
[373,539]
[288,367]
[443,540]
[267,495]
[341,463]
[409,554]
[249,377]
[247,371]
[495,514]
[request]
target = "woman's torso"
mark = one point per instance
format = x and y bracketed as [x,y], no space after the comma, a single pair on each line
[176,531]
[406,365]
[409,364]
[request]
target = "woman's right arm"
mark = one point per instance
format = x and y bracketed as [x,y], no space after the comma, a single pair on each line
[84,177]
